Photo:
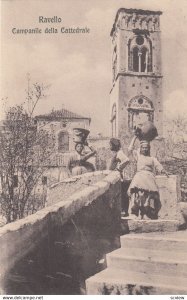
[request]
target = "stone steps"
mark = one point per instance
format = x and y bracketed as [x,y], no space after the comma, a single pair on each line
[147,263]
[150,254]
[119,259]
[165,241]
[117,281]
[154,261]
[140,226]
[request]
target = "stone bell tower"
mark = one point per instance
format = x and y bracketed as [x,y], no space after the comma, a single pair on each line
[136,93]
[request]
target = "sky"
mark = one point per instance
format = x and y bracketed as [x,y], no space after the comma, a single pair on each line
[78,67]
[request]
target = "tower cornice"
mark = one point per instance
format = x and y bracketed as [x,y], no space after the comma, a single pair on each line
[131,12]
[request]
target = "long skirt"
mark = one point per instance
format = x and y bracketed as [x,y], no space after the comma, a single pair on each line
[144,195]
[143,180]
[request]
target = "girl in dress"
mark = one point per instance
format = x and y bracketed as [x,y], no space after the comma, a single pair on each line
[119,159]
[118,162]
[77,163]
[143,190]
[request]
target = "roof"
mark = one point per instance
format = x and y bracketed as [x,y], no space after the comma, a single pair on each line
[136,11]
[61,114]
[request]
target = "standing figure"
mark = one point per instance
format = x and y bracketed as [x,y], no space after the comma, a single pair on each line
[143,190]
[77,163]
[118,162]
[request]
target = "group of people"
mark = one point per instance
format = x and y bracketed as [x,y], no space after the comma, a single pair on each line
[142,191]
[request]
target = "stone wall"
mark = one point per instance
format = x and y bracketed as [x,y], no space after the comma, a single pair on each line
[54,250]
[170,196]
[131,86]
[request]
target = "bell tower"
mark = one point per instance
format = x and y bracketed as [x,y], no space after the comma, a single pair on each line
[136,93]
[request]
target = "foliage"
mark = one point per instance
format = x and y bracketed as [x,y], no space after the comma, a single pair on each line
[175,131]
[25,152]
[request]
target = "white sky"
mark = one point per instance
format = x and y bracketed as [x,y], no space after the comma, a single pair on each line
[78,67]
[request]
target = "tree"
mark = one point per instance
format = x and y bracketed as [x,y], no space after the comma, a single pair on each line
[25,154]
[175,131]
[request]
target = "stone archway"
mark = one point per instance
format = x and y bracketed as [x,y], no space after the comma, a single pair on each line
[140,109]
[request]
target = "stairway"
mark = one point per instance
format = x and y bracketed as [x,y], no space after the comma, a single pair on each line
[146,264]
[140,226]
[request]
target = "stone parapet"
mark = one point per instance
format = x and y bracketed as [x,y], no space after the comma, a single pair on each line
[57,248]
[170,196]
[35,247]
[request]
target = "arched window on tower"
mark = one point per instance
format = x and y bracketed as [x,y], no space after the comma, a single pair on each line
[140,54]
[140,109]
[113,121]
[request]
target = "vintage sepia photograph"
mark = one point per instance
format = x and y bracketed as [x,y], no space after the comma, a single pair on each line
[93,148]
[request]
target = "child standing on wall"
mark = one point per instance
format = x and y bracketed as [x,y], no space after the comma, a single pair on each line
[118,162]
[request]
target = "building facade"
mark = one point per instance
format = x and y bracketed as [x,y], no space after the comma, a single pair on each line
[60,124]
[136,94]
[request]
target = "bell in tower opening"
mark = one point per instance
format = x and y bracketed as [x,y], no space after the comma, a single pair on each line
[136,93]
